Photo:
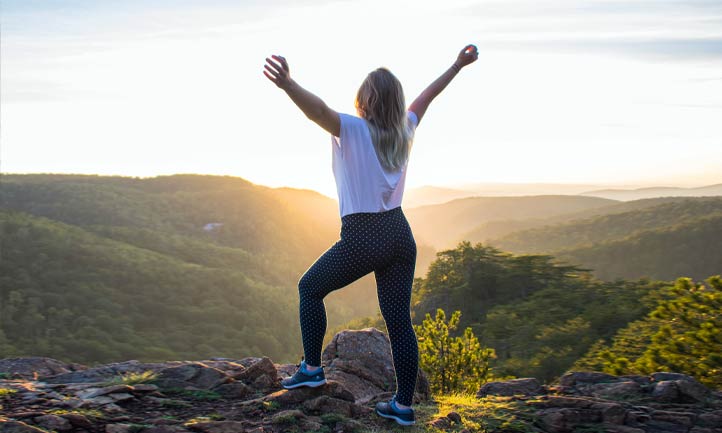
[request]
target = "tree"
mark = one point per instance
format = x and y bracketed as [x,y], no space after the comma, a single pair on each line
[453,363]
[690,338]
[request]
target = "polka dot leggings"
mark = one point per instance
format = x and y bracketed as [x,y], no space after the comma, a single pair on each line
[381,242]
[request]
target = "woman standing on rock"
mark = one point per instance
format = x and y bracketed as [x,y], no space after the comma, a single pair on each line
[370,156]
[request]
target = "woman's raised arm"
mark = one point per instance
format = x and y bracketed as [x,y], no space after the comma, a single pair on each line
[468,55]
[312,106]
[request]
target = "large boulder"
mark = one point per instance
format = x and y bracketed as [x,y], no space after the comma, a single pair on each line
[361,361]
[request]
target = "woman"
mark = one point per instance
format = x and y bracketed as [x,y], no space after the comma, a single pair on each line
[370,156]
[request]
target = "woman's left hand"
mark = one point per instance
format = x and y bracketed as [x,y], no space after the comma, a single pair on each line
[278,71]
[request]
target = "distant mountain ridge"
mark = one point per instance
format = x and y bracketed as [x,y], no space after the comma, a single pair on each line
[657,191]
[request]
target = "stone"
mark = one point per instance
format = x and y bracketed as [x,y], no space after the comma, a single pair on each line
[663,375]
[674,417]
[117,428]
[575,377]
[361,361]
[691,391]
[144,387]
[290,416]
[454,417]
[18,427]
[193,375]
[53,422]
[217,427]
[665,391]
[96,401]
[234,390]
[260,367]
[627,389]
[78,420]
[525,386]
[96,392]
[36,367]
[121,396]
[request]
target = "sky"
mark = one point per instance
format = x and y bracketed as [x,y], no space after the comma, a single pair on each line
[604,92]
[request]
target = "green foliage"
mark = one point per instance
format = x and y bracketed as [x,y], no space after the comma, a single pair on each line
[661,242]
[452,363]
[682,334]
[7,392]
[538,316]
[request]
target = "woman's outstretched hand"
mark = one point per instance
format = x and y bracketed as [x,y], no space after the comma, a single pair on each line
[468,55]
[278,71]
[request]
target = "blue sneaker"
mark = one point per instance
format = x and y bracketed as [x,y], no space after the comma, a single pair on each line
[304,377]
[388,409]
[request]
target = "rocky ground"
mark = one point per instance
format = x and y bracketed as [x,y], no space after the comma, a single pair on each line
[222,395]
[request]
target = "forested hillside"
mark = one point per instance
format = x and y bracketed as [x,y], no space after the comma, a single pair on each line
[71,294]
[442,225]
[219,236]
[679,237]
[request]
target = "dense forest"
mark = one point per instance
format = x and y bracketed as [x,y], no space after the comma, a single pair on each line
[99,269]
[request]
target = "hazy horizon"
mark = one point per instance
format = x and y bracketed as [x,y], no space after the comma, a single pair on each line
[593,92]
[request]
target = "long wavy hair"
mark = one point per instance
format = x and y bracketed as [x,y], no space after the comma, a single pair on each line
[380,100]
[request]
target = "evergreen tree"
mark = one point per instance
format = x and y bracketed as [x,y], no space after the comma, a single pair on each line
[453,363]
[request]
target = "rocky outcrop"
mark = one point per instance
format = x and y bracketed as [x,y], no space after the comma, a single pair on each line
[222,395]
[361,361]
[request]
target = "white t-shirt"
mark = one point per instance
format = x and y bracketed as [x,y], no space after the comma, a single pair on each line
[363,184]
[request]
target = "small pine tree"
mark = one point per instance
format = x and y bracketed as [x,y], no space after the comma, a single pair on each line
[453,363]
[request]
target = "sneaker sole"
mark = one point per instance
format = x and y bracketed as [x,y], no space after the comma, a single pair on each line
[309,384]
[395,418]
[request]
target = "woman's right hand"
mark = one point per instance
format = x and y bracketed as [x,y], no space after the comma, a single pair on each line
[467,55]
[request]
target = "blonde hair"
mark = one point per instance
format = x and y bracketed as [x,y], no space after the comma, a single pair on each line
[380,100]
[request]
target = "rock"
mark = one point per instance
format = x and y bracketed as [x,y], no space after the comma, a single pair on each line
[361,361]
[217,427]
[526,386]
[110,371]
[627,389]
[117,428]
[164,429]
[442,423]
[121,396]
[290,416]
[294,397]
[691,391]
[665,391]
[261,373]
[112,408]
[95,392]
[325,404]
[36,367]
[96,401]
[576,377]
[144,387]
[663,375]
[78,420]
[18,427]
[681,418]
[236,390]
[612,413]
[53,422]
[193,375]
[454,417]
[566,418]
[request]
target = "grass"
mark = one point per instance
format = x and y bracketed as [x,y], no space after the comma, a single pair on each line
[4,375]
[7,392]
[488,414]
[271,406]
[93,413]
